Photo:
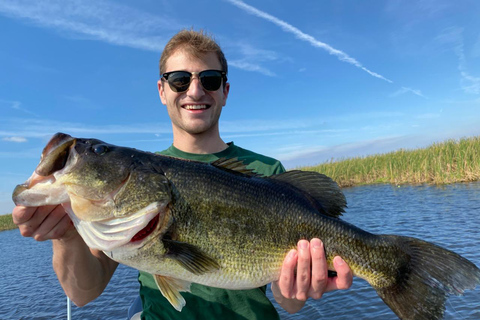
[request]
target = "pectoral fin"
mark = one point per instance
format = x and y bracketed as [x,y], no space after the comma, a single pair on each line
[170,289]
[190,257]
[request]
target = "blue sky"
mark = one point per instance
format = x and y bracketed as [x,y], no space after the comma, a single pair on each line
[310,81]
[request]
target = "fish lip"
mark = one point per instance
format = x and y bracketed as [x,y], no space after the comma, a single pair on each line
[31,192]
[56,154]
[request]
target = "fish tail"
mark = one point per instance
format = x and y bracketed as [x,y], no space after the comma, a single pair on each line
[426,277]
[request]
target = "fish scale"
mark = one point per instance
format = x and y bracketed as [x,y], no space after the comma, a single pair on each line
[221,225]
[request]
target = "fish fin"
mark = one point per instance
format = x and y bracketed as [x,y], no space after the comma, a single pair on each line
[190,257]
[233,165]
[430,273]
[170,289]
[324,193]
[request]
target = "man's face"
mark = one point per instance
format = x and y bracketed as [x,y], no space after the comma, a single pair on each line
[196,110]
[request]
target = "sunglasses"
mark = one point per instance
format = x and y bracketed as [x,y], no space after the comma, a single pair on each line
[211,80]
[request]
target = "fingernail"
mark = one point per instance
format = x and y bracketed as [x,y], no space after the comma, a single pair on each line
[303,244]
[316,243]
[340,261]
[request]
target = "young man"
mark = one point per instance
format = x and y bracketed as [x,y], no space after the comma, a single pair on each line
[194,88]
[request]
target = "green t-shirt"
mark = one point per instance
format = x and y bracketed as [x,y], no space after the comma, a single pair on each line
[205,302]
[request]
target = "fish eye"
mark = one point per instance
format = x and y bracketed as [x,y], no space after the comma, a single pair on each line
[100,149]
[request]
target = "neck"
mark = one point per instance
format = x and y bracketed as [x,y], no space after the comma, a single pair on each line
[198,143]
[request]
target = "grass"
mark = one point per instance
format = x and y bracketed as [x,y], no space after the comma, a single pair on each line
[447,162]
[6,222]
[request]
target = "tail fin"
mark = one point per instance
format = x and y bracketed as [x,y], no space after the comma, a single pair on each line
[431,274]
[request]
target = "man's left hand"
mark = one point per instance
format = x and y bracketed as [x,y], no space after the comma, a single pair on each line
[311,277]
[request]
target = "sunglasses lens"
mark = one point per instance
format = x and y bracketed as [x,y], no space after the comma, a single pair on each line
[179,81]
[211,79]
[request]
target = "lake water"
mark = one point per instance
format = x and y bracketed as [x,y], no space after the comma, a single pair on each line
[447,215]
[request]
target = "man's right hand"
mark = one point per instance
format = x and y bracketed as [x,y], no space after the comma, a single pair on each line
[83,272]
[43,223]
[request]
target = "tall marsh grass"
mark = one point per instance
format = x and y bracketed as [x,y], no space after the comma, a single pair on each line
[447,162]
[6,222]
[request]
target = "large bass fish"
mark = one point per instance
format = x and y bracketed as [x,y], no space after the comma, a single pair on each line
[220,225]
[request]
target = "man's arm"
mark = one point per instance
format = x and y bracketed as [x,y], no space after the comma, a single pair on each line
[82,272]
[311,280]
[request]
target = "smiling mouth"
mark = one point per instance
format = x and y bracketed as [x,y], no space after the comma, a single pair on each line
[196,106]
[145,232]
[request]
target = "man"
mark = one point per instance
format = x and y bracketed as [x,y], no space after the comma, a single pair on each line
[194,88]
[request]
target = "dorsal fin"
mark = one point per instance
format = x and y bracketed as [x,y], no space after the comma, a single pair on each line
[234,165]
[323,192]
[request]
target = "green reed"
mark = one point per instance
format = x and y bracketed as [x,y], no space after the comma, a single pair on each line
[6,222]
[446,162]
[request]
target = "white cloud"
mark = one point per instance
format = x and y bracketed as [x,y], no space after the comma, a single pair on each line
[470,84]
[251,57]
[321,154]
[15,139]
[404,90]
[453,37]
[116,24]
[342,56]
[249,66]
[17,105]
[101,20]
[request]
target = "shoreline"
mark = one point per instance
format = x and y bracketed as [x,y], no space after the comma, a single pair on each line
[451,161]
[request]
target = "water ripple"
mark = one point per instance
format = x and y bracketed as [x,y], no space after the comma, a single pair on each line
[446,215]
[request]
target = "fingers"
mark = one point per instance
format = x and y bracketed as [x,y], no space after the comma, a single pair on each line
[287,275]
[304,273]
[302,284]
[54,226]
[319,269]
[21,214]
[344,277]
[28,219]
[42,223]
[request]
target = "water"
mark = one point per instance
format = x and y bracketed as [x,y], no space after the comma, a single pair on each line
[447,215]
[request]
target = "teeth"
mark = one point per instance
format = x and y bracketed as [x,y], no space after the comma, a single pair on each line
[195,106]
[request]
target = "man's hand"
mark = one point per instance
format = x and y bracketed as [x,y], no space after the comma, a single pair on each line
[83,272]
[43,223]
[311,278]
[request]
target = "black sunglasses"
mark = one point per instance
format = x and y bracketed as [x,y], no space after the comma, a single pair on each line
[179,81]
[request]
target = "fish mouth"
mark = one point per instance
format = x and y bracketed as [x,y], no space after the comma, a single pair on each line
[42,187]
[145,232]
[110,234]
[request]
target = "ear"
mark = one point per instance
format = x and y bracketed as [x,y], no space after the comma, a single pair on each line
[161,92]
[226,90]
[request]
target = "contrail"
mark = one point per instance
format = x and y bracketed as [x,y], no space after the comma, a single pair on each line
[342,56]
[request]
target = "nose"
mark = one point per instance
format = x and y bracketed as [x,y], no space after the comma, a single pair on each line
[196,89]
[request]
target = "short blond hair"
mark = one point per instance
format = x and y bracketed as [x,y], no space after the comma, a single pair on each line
[195,43]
